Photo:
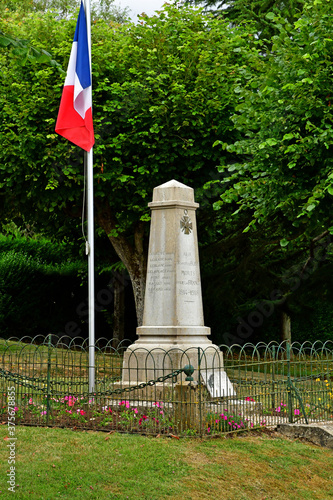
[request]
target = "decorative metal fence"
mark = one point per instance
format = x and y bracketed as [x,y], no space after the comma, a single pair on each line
[192,392]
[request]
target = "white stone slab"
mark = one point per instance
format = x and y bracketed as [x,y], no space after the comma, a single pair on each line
[217,383]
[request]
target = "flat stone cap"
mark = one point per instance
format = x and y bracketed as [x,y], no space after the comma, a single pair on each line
[173,191]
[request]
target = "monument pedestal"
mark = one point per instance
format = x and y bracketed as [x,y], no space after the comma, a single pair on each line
[173,334]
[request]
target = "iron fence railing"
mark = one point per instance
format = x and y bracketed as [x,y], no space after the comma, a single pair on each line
[246,387]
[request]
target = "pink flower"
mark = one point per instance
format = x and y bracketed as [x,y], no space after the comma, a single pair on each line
[124,403]
[278,409]
[16,408]
[144,417]
[43,412]
[208,429]
[296,412]
[82,412]
[69,411]
[135,410]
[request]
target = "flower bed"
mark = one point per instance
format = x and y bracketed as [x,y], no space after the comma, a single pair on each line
[83,412]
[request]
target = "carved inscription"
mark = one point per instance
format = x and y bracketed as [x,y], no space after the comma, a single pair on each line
[160,273]
[188,280]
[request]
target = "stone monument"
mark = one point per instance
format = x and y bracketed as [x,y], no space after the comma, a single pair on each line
[173,333]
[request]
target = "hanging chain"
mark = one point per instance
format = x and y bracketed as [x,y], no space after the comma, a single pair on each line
[33,383]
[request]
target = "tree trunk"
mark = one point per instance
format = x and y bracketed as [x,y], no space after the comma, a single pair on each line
[285,327]
[119,309]
[133,256]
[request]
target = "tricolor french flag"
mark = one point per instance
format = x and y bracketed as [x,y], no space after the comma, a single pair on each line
[75,112]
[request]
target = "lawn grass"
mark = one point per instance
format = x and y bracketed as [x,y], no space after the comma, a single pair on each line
[67,464]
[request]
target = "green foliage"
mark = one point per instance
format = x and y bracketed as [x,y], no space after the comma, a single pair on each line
[23,51]
[163,94]
[262,12]
[285,112]
[27,6]
[108,11]
[38,249]
[100,9]
[167,98]
[257,12]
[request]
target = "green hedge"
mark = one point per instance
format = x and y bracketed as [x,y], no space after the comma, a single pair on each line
[40,249]
[37,297]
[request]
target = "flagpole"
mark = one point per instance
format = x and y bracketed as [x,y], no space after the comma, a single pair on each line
[75,123]
[91,269]
[91,246]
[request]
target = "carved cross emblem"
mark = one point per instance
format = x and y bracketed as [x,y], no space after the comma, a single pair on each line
[186,223]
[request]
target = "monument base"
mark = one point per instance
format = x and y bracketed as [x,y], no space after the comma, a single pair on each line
[173,335]
[170,349]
